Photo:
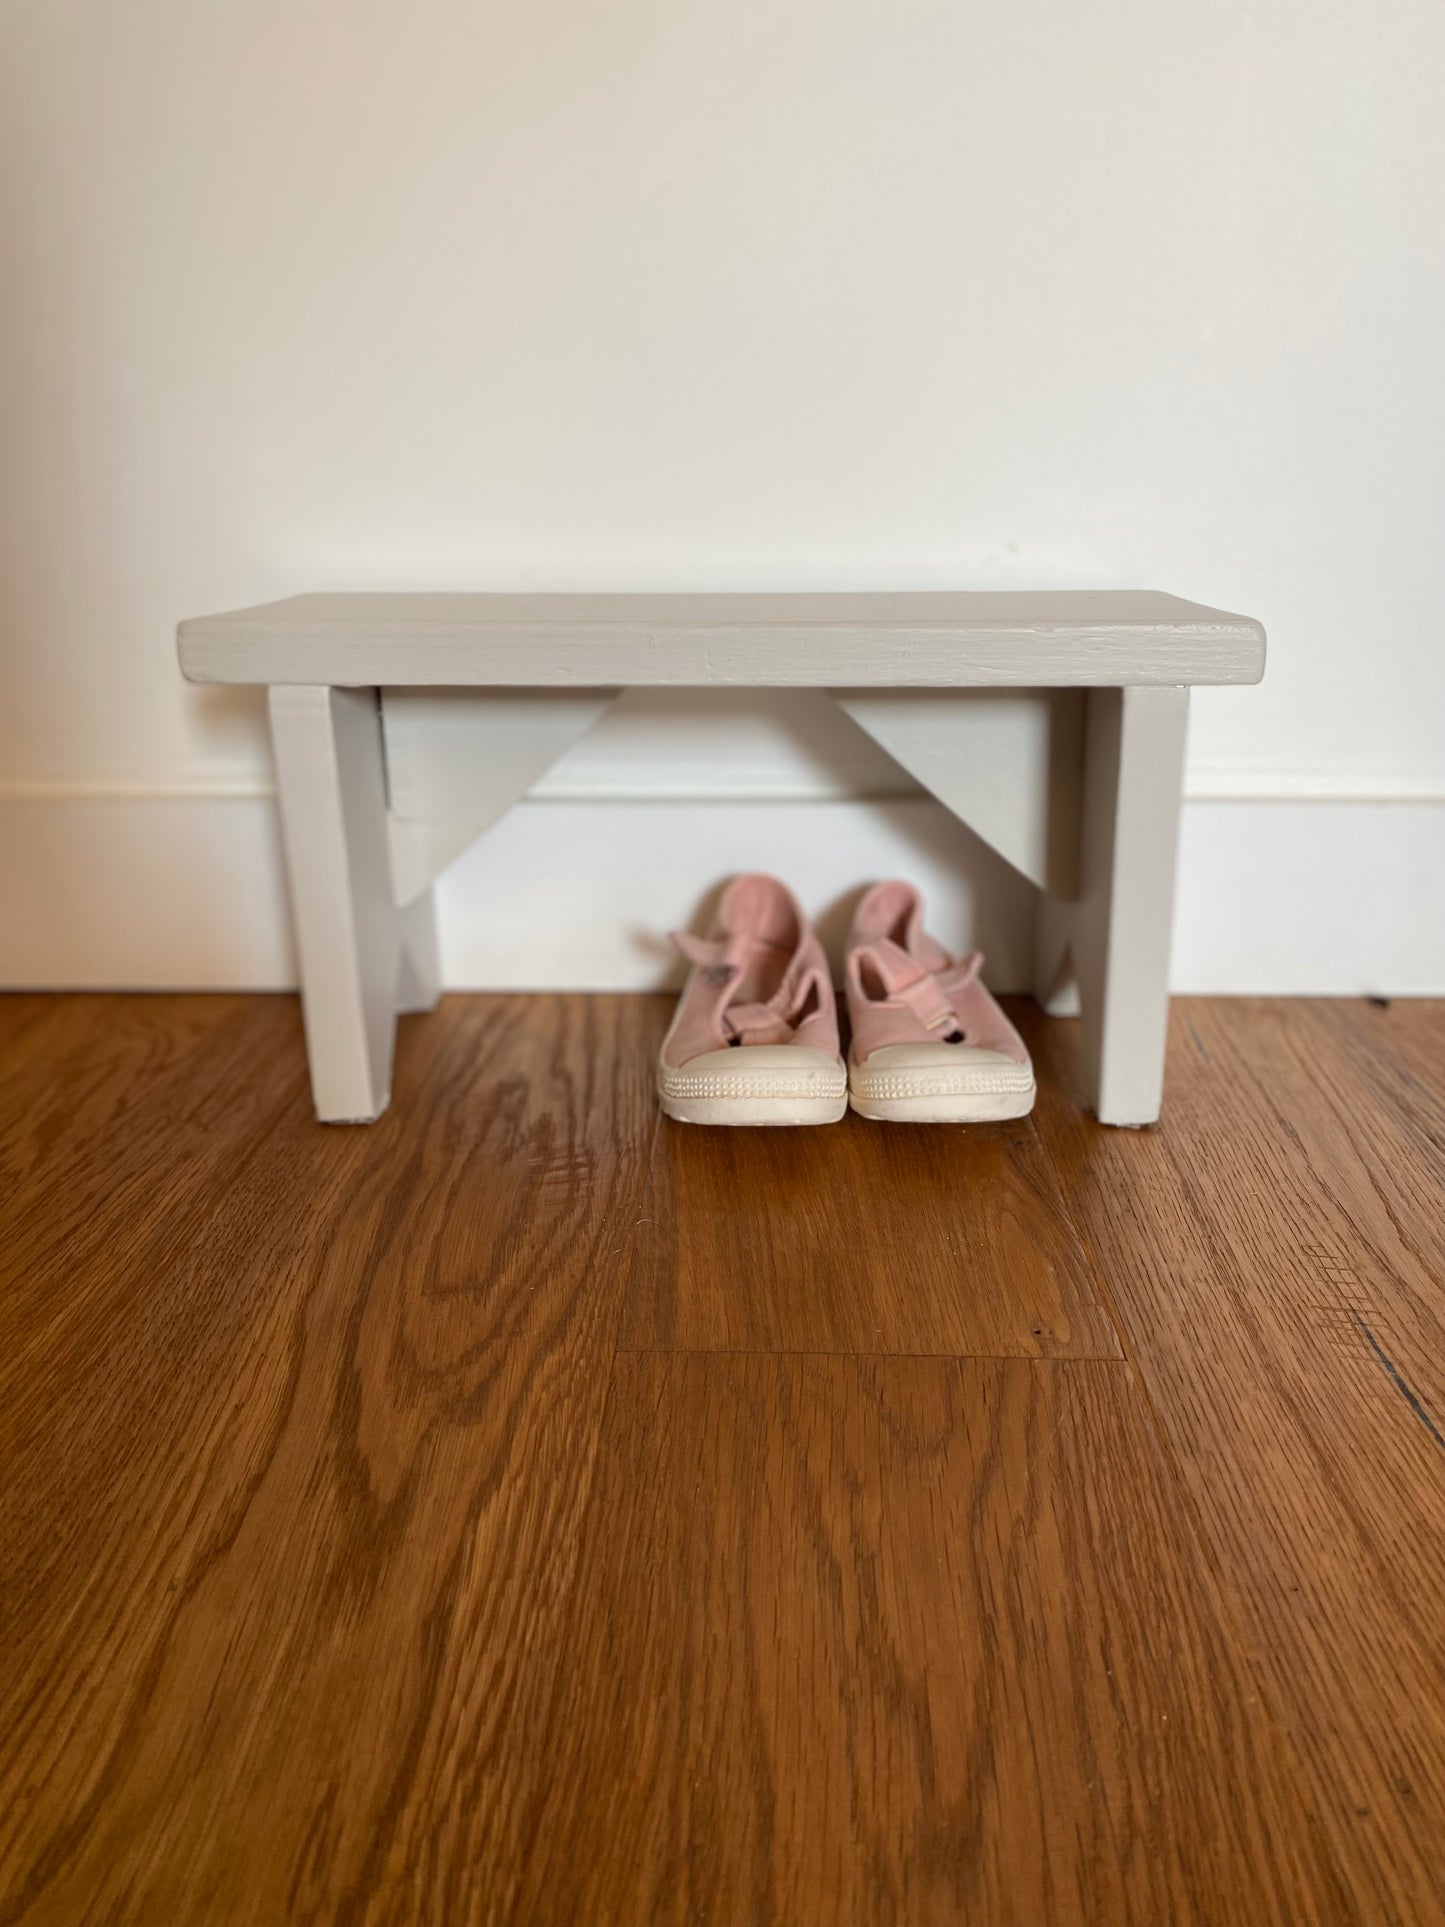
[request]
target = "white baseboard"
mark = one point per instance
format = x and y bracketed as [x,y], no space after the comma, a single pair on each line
[154,892]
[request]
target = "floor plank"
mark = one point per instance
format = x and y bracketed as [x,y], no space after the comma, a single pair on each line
[115,1118]
[1397,1048]
[522,1510]
[1261,1260]
[903,1640]
[863,1238]
[287,1546]
[1368,1171]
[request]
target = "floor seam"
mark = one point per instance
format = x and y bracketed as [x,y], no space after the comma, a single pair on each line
[877,1357]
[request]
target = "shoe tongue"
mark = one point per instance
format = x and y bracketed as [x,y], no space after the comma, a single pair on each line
[930,955]
[762,908]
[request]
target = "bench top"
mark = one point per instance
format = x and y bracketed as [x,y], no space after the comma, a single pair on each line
[919,639]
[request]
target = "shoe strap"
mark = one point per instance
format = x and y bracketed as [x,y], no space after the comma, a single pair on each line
[724,960]
[932,995]
[755,1024]
[721,959]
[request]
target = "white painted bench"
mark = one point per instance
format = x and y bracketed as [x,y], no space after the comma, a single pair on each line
[1052,723]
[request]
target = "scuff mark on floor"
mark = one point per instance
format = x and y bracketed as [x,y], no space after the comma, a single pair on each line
[1401,1384]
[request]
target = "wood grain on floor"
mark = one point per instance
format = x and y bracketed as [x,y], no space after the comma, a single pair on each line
[904,1240]
[519,1511]
[932,1629]
[1274,1257]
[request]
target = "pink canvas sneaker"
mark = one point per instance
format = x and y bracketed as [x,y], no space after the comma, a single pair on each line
[755,1038]
[930,1046]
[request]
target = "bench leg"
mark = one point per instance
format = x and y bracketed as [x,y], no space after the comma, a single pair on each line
[1110,949]
[360,957]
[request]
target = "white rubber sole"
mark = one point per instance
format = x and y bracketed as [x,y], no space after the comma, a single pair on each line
[940,1084]
[757,1084]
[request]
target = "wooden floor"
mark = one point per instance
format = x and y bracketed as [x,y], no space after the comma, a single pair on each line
[525,1511]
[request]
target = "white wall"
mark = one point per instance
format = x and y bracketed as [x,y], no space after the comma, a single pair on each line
[774,294]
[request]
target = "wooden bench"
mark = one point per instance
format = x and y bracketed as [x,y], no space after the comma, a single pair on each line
[1052,723]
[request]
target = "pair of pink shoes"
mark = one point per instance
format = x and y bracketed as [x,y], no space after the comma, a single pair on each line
[755,1038]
